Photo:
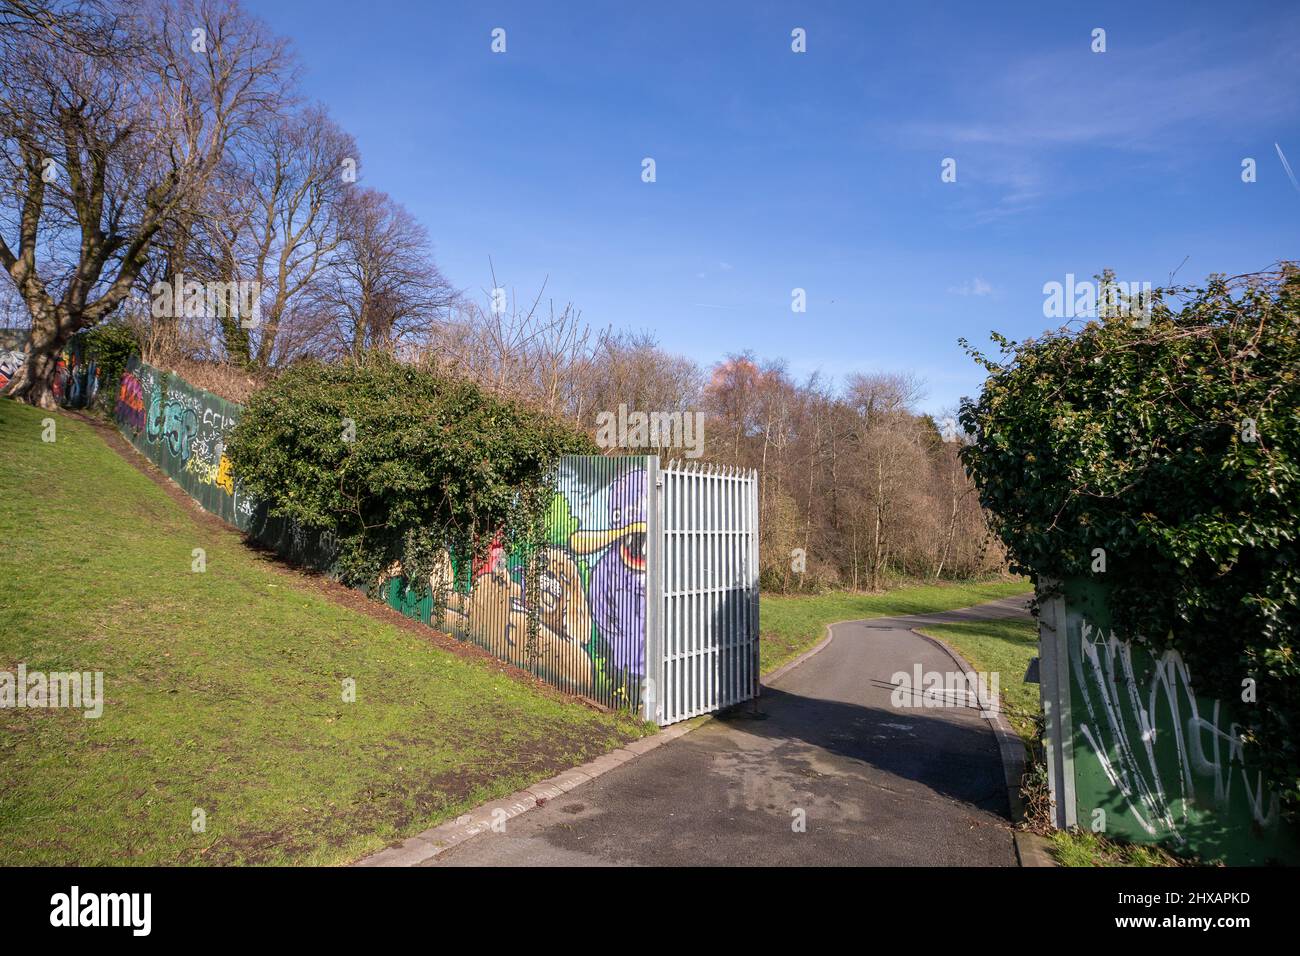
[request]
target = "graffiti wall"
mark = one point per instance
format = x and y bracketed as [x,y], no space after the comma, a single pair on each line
[572,611]
[76,377]
[183,431]
[12,342]
[581,609]
[1153,760]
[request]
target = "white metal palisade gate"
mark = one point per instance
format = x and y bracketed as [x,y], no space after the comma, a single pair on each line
[702,614]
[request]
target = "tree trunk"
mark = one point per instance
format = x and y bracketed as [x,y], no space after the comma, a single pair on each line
[947,548]
[234,333]
[235,336]
[877,544]
[266,345]
[34,382]
[855,556]
[952,530]
[807,528]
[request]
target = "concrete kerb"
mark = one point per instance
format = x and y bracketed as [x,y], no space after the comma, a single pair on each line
[1032,849]
[791,665]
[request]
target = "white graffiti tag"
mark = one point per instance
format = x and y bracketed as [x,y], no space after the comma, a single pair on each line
[1121,730]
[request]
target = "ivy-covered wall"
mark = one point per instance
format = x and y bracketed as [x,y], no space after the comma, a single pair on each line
[580,623]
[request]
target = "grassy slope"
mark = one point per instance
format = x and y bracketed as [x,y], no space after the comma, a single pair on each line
[224,688]
[791,624]
[1003,648]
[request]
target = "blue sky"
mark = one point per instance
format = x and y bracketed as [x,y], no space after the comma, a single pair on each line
[820,170]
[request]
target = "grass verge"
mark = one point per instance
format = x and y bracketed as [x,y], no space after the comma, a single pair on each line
[1004,648]
[1083,848]
[224,688]
[791,624]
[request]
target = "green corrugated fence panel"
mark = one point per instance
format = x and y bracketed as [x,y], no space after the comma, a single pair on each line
[183,430]
[1159,760]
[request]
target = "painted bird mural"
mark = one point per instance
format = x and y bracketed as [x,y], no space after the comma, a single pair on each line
[617,588]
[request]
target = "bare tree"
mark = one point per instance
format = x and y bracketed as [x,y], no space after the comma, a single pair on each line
[524,350]
[105,141]
[298,186]
[89,26]
[382,289]
[223,30]
[545,354]
[631,369]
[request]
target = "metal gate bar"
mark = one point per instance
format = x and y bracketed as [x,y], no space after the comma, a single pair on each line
[708,589]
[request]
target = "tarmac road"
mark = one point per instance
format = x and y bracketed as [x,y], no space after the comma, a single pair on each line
[877,785]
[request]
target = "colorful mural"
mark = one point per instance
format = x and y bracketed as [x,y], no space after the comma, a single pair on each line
[183,431]
[616,548]
[129,410]
[11,360]
[582,623]
[12,355]
[582,626]
[76,379]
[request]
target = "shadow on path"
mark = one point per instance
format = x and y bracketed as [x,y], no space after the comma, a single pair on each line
[825,771]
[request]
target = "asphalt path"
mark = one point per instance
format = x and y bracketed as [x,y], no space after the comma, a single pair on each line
[870,782]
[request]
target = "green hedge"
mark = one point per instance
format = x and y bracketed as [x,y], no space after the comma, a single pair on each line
[396,462]
[1165,459]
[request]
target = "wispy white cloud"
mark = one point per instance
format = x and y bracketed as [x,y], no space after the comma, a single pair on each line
[714,269]
[1015,129]
[1174,88]
[976,287]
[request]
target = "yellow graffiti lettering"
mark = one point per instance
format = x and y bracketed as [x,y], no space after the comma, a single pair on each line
[210,474]
[225,479]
